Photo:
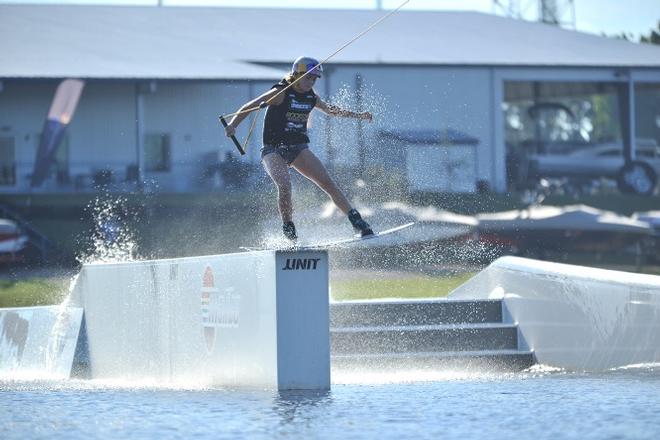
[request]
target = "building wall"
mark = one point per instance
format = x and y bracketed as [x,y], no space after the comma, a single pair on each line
[417,98]
[188,113]
[103,133]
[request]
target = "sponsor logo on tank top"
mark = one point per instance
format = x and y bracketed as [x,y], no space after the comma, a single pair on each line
[296,117]
[293,126]
[297,105]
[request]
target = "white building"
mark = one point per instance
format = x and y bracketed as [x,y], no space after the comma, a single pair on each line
[454,93]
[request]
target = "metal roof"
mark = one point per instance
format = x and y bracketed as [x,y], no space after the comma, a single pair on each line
[202,42]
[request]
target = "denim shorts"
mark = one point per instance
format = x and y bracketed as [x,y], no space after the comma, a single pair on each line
[288,152]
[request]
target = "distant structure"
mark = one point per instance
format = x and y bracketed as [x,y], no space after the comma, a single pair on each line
[557,12]
[478,111]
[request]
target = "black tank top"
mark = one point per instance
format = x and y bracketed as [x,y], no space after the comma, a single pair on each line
[286,124]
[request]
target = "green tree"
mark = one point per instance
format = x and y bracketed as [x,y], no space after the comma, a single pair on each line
[653,37]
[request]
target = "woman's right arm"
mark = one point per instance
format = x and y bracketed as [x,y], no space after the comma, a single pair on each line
[271,97]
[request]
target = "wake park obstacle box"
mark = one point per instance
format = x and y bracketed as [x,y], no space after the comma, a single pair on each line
[261,319]
[251,319]
[257,319]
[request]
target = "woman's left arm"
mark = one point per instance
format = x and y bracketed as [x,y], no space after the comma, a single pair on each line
[333,110]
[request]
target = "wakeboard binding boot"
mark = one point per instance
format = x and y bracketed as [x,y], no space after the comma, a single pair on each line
[362,228]
[289,230]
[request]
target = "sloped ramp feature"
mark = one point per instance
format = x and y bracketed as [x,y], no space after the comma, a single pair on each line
[574,317]
[38,342]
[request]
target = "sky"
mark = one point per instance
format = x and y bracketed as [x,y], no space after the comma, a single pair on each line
[611,17]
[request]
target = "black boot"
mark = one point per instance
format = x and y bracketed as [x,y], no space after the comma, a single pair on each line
[289,230]
[361,227]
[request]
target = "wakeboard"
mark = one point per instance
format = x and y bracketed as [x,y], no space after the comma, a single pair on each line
[332,243]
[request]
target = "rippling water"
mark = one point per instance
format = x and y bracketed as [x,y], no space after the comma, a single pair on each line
[538,404]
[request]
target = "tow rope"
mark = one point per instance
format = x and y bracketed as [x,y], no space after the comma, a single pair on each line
[241,148]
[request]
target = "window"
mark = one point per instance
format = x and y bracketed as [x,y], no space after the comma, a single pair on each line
[157,153]
[7,161]
[552,116]
[560,129]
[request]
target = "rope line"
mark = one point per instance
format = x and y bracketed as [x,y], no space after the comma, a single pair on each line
[252,124]
[351,41]
[373,25]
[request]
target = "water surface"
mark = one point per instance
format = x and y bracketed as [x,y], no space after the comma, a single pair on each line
[537,404]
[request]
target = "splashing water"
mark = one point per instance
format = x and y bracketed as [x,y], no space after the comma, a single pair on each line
[111,238]
[110,241]
[374,167]
[48,352]
[371,99]
[58,337]
[370,167]
[344,131]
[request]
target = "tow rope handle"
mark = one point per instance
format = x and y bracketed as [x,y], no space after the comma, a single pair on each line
[233,138]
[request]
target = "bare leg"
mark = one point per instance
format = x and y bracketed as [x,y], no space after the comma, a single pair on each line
[311,167]
[279,172]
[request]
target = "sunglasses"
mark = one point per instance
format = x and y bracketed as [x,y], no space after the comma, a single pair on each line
[311,68]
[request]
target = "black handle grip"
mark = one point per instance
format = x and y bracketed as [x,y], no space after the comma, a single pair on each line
[233,138]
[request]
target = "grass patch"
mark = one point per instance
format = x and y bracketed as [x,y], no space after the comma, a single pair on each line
[33,292]
[51,291]
[416,286]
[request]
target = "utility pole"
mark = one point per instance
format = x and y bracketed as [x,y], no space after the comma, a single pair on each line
[508,8]
[555,12]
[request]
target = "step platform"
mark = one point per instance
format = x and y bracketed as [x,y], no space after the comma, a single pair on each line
[427,334]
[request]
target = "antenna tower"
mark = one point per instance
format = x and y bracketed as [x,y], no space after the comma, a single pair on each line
[556,12]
